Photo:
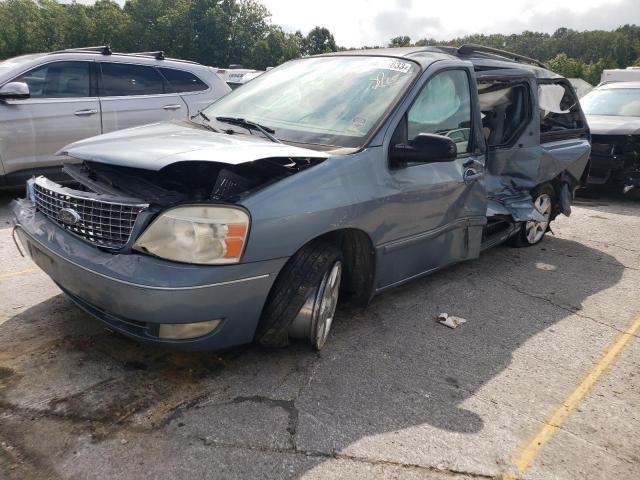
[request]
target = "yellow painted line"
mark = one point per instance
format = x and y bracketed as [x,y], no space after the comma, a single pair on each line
[6,229]
[530,450]
[20,272]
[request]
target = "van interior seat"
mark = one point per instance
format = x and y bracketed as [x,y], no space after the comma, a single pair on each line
[504,110]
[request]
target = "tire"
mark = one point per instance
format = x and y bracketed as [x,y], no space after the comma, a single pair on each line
[545,201]
[296,286]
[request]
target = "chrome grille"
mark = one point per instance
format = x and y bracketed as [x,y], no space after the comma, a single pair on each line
[104,223]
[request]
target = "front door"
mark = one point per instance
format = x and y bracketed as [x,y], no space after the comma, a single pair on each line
[438,210]
[61,109]
[133,95]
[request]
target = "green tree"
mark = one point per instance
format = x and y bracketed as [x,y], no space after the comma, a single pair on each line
[220,32]
[319,40]
[78,26]
[249,23]
[276,47]
[593,71]
[566,66]
[403,41]
[51,16]
[19,32]
[110,23]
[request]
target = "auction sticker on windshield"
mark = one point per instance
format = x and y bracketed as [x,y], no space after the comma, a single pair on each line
[400,66]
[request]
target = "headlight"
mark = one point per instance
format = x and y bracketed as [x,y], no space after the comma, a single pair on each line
[197,234]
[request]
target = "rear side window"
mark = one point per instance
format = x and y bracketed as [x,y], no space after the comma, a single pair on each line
[121,79]
[505,108]
[182,81]
[560,113]
[58,80]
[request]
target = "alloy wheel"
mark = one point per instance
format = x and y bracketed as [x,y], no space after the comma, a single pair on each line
[534,229]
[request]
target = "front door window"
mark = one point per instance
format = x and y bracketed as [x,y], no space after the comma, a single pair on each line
[58,80]
[443,107]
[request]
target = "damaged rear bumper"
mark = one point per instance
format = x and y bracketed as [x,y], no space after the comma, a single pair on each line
[134,293]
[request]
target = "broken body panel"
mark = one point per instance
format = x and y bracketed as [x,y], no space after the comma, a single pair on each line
[413,218]
[615,153]
[613,114]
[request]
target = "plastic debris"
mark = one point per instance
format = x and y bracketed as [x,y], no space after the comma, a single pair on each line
[450,321]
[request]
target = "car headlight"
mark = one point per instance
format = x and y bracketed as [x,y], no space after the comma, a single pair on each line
[204,234]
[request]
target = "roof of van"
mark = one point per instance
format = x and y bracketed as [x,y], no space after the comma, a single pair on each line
[611,85]
[483,58]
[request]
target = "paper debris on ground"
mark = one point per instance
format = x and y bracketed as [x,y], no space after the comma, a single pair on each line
[450,321]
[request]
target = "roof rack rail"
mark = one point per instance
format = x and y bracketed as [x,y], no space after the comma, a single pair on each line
[106,50]
[469,48]
[103,49]
[158,55]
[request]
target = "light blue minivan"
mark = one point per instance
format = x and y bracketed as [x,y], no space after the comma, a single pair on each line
[331,177]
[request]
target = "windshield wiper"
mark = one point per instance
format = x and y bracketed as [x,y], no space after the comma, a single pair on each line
[206,119]
[249,125]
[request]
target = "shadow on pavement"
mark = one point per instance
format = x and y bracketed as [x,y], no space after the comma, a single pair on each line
[608,200]
[384,369]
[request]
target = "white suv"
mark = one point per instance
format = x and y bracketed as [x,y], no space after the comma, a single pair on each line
[50,100]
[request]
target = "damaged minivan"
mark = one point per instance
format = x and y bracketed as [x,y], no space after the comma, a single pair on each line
[328,178]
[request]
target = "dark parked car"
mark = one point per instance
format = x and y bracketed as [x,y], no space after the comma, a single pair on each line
[336,176]
[613,114]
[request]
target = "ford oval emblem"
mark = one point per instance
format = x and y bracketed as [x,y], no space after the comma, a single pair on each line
[68,216]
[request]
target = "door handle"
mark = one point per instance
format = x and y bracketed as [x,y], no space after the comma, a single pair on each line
[88,111]
[175,106]
[471,175]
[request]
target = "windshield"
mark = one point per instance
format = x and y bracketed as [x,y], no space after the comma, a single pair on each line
[614,101]
[326,101]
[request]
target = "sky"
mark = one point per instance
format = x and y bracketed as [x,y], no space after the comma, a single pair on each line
[356,23]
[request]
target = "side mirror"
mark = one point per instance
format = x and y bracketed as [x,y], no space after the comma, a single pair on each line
[425,148]
[14,90]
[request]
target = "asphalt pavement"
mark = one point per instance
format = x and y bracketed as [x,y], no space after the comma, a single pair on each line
[541,382]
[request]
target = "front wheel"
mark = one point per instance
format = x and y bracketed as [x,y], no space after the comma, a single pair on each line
[315,318]
[532,231]
[304,297]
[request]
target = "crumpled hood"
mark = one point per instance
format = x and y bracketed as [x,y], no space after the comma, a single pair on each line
[613,125]
[153,147]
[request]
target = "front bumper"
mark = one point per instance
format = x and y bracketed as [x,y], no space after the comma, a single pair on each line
[134,293]
[615,160]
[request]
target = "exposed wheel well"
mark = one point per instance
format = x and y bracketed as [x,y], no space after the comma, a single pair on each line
[359,263]
[294,282]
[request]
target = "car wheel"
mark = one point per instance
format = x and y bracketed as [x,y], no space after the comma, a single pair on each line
[532,231]
[314,319]
[304,297]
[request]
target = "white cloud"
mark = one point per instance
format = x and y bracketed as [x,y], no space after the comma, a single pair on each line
[373,22]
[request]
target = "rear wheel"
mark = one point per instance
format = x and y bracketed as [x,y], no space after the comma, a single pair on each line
[532,231]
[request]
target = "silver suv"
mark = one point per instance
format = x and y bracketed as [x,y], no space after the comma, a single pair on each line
[50,100]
